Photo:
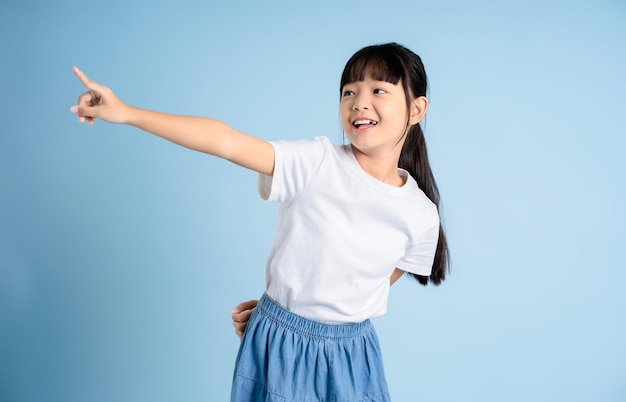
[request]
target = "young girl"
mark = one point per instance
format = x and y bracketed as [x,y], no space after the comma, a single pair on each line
[351,220]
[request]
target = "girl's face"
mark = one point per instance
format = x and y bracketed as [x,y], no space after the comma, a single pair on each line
[374,115]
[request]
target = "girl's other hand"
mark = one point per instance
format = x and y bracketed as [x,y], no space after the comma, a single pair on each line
[241,314]
[99,102]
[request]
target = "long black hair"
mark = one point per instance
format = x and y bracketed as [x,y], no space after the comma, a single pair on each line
[395,63]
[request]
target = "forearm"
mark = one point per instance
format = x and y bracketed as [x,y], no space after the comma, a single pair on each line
[198,133]
[397,273]
[206,135]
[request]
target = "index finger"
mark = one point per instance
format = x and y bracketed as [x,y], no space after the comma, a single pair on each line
[89,84]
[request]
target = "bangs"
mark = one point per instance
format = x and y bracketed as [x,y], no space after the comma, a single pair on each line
[380,63]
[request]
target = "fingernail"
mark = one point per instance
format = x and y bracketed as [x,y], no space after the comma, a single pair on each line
[74,109]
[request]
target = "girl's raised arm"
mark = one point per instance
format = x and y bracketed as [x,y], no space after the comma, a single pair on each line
[198,133]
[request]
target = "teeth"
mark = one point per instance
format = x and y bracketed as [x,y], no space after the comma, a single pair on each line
[358,123]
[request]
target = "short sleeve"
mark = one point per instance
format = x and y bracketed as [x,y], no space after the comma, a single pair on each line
[421,250]
[295,164]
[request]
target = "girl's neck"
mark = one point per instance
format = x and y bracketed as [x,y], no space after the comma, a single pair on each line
[383,168]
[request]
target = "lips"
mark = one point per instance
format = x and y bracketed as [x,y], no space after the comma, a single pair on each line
[358,123]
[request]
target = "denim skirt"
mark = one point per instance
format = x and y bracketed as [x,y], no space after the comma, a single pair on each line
[287,358]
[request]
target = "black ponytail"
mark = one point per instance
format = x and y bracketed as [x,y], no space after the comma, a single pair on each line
[394,63]
[414,159]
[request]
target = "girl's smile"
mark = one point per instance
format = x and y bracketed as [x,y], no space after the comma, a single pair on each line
[363,123]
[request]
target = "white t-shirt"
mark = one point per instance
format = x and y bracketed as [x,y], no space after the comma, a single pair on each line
[341,232]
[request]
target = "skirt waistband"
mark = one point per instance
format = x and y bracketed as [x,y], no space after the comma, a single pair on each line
[304,326]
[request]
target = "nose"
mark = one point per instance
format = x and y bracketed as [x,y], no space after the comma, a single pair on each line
[361,102]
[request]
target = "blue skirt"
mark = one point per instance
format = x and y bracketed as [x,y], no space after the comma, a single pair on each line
[287,358]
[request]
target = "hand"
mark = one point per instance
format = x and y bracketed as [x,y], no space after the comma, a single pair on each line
[98,102]
[241,314]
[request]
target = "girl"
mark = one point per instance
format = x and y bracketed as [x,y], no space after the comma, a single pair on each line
[351,220]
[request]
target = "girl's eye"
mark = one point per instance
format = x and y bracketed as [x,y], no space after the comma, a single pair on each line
[348,93]
[379,91]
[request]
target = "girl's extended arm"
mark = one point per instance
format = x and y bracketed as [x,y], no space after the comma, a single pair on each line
[198,133]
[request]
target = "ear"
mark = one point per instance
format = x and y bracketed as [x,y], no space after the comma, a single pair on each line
[418,109]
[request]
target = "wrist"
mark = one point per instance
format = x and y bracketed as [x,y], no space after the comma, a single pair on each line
[130,115]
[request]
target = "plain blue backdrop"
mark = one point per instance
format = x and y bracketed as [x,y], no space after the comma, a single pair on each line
[122,255]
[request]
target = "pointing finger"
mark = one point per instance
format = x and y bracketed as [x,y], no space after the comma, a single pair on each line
[81,76]
[89,84]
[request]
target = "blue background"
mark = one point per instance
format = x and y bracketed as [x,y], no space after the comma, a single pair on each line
[122,255]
